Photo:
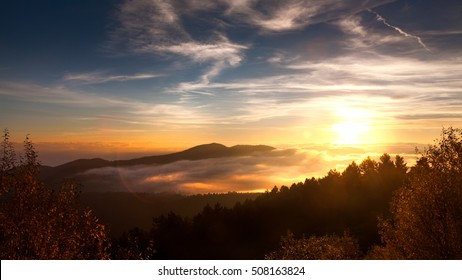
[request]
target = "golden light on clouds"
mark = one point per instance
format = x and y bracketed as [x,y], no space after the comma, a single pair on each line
[297,73]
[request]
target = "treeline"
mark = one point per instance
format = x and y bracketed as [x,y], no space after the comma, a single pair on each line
[347,201]
[122,211]
[375,209]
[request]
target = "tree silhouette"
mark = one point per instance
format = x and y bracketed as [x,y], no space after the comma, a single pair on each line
[426,220]
[38,223]
[134,245]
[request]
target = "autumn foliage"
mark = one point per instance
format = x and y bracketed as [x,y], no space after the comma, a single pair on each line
[37,222]
[426,221]
[327,247]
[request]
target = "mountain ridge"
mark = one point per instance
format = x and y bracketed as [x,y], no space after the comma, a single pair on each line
[204,151]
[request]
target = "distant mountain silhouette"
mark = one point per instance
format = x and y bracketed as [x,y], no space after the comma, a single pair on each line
[213,150]
[81,165]
[206,151]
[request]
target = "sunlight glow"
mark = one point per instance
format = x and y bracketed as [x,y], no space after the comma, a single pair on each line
[352,126]
[350,132]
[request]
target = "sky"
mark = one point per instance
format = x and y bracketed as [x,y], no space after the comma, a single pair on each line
[115,79]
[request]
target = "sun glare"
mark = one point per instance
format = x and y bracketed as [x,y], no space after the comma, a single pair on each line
[350,132]
[352,126]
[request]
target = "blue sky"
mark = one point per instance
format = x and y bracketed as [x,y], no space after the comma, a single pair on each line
[163,75]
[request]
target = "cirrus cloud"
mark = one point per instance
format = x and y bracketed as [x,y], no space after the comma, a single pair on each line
[99,77]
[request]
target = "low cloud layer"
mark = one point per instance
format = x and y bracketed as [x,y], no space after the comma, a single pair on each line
[241,174]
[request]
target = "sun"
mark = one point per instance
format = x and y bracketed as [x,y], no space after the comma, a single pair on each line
[352,126]
[350,132]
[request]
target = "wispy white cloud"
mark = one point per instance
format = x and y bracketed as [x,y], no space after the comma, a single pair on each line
[143,22]
[388,71]
[97,107]
[399,92]
[386,84]
[290,17]
[354,73]
[55,95]
[452,32]
[362,38]
[99,77]
[203,52]
[277,16]
[155,27]
[400,31]
[174,115]
[221,54]
[352,25]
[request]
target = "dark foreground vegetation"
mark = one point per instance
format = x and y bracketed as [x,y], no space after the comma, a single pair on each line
[122,211]
[375,210]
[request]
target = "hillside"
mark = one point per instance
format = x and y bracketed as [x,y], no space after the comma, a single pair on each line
[213,150]
[74,169]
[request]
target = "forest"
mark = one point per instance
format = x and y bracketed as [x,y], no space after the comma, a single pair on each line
[375,209]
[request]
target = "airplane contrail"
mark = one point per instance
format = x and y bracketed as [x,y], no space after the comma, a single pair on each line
[402,32]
